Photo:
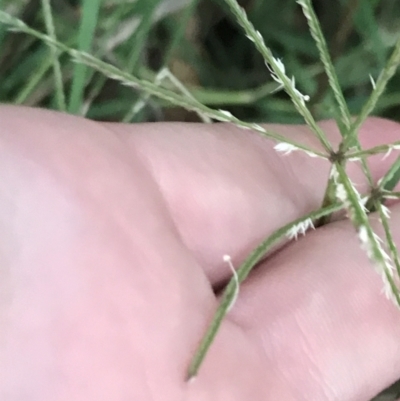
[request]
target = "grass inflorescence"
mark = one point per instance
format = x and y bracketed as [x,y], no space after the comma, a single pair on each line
[132,61]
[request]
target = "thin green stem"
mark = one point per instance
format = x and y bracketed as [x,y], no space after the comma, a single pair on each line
[391,194]
[357,154]
[377,91]
[392,176]
[244,270]
[59,86]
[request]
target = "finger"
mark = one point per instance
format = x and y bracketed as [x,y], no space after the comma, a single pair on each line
[227,189]
[317,313]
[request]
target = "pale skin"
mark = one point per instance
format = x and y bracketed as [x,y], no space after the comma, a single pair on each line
[112,243]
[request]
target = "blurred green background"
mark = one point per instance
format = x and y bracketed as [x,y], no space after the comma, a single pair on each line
[202,45]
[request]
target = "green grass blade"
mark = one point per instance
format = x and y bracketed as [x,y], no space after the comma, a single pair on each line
[59,87]
[33,81]
[138,40]
[111,28]
[179,31]
[90,12]
[2,28]
[365,21]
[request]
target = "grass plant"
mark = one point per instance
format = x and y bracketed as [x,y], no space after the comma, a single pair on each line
[242,67]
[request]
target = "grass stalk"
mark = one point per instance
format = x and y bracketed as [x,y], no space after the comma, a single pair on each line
[242,273]
[378,89]
[392,177]
[58,80]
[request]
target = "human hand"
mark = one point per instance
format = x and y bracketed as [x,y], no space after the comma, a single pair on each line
[111,252]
